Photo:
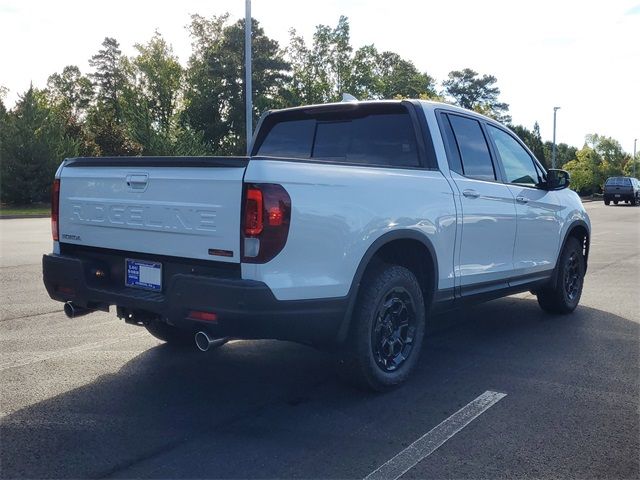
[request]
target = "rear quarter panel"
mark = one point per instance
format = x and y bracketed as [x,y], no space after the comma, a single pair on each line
[338,211]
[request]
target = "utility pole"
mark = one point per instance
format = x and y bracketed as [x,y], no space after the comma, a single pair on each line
[248,89]
[553,150]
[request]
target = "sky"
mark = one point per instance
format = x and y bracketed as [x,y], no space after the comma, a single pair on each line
[583,56]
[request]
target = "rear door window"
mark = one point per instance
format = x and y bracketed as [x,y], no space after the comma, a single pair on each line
[380,138]
[453,155]
[472,147]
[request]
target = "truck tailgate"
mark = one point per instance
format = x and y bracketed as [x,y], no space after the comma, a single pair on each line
[189,210]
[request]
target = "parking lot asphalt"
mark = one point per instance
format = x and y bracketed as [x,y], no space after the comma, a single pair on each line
[93,398]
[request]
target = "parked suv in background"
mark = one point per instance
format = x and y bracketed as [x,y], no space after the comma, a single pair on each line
[622,189]
[347,227]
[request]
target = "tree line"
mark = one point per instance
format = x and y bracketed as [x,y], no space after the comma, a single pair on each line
[150,104]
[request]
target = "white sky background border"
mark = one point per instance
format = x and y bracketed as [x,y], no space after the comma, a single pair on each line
[583,56]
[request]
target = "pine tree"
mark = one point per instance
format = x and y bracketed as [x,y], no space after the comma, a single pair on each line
[109,77]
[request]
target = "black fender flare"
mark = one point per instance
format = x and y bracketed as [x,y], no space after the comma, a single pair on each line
[382,240]
[567,234]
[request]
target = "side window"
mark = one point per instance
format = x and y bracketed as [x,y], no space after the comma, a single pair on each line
[453,155]
[289,139]
[518,164]
[473,148]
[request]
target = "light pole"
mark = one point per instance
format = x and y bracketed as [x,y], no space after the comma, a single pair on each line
[248,89]
[553,149]
[634,156]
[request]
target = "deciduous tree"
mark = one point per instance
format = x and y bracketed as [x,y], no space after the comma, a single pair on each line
[159,77]
[480,93]
[71,90]
[214,96]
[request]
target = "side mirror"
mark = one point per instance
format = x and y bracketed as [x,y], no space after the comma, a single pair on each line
[557,179]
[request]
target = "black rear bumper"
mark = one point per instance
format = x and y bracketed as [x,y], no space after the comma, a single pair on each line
[244,308]
[619,196]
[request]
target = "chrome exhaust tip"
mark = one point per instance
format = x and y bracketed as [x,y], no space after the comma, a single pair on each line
[204,342]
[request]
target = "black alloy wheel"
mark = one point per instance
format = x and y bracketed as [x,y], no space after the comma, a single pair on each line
[563,294]
[387,329]
[394,330]
[572,276]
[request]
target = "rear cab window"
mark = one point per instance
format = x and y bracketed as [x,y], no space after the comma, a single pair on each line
[369,134]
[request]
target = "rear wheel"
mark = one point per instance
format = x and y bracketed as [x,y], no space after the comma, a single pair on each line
[387,329]
[615,202]
[170,334]
[565,295]
[607,202]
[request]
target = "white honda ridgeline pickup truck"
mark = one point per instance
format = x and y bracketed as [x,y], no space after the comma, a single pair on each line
[348,225]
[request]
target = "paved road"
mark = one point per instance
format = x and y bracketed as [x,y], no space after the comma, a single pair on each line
[93,397]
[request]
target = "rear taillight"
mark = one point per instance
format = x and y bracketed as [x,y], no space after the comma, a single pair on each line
[55,209]
[253,209]
[265,221]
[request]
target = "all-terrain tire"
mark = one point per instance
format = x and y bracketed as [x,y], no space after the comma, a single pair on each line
[565,295]
[387,329]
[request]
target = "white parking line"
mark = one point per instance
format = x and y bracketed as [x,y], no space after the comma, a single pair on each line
[435,438]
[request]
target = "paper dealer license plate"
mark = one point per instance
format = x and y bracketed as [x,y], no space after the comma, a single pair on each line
[144,274]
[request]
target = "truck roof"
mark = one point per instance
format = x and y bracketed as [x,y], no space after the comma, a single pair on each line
[349,105]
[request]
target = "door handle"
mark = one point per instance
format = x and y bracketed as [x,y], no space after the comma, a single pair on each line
[470,193]
[521,199]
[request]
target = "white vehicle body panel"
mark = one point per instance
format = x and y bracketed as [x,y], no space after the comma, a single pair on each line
[181,212]
[571,211]
[539,227]
[339,211]
[488,230]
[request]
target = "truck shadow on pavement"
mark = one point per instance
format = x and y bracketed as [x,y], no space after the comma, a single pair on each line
[274,409]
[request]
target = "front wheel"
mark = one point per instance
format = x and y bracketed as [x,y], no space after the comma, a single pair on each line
[387,329]
[607,202]
[565,295]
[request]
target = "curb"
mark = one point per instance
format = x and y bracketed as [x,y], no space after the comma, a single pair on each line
[15,217]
